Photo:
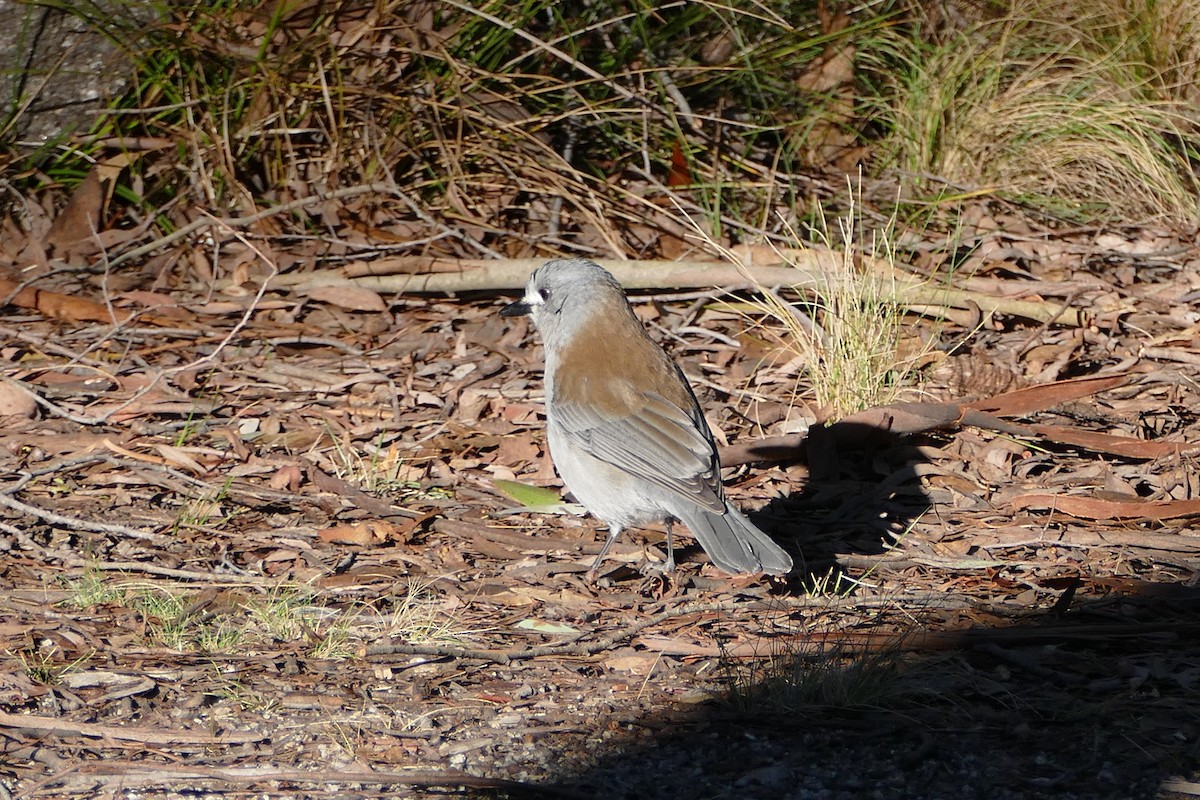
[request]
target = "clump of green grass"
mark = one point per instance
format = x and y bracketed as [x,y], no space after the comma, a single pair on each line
[173,624]
[45,664]
[806,673]
[374,468]
[176,619]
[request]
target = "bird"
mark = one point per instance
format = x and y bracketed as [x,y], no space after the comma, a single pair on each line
[626,432]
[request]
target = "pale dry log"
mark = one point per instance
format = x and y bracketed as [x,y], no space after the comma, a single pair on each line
[812,270]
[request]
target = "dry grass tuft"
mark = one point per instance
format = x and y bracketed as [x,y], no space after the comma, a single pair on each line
[849,332]
[1061,126]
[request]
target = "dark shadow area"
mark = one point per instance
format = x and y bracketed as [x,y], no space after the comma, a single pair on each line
[1095,695]
[862,494]
[1077,706]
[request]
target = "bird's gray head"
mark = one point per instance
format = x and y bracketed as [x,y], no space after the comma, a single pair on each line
[564,292]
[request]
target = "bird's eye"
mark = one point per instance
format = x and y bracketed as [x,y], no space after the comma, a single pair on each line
[544,294]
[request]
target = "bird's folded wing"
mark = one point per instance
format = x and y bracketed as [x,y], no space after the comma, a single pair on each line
[656,441]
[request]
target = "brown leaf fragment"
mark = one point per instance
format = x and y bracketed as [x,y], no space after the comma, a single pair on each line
[57,305]
[718,49]
[679,174]
[677,646]
[367,532]
[16,402]
[629,660]
[1099,509]
[122,451]
[351,298]
[1039,398]
[80,217]
[287,478]
[180,458]
[1125,446]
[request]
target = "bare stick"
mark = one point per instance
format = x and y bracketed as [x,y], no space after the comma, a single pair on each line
[812,270]
[75,523]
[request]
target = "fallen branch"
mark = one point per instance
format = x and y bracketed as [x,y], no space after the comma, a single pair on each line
[812,270]
[76,523]
[128,774]
[56,726]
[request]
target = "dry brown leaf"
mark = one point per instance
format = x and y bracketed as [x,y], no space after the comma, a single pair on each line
[632,661]
[287,478]
[368,532]
[80,217]
[677,646]
[351,298]
[16,403]
[718,49]
[176,456]
[1039,398]
[1125,446]
[60,306]
[1099,509]
[122,451]
[70,308]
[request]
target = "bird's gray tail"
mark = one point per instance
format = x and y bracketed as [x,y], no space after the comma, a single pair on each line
[733,543]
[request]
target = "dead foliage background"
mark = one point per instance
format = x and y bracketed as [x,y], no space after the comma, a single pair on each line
[268,524]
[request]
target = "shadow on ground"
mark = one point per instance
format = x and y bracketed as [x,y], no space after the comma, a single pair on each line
[1095,697]
[1100,702]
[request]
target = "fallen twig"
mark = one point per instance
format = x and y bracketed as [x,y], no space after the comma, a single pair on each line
[812,270]
[56,726]
[75,523]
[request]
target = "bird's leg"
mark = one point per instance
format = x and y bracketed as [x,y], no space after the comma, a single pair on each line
[657,581]
[613,533]
[670,567]
[667,567]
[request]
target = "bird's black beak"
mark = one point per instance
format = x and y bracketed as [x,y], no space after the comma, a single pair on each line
[517,309]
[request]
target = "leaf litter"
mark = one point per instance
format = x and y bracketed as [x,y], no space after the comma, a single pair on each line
[263,539]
